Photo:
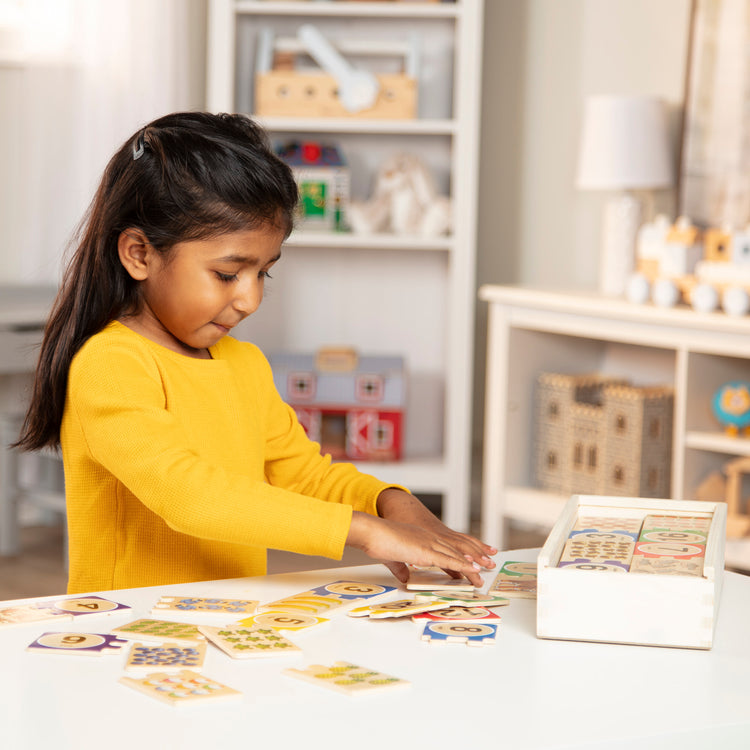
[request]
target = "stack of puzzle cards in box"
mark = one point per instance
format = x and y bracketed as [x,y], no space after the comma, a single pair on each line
[667,544]
[671,545]
[633,570]
[601,543]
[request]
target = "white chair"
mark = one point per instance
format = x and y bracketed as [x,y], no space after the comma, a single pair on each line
[27,477]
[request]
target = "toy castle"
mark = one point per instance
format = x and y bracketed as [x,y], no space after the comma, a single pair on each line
[602,436]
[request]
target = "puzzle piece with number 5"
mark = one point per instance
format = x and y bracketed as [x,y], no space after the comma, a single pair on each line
[282,621]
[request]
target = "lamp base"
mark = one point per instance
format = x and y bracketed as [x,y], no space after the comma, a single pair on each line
[622,218]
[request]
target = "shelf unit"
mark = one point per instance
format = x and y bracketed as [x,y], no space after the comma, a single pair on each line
[381,293]
[533,331]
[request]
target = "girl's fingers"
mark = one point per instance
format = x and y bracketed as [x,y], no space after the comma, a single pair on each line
[400,570]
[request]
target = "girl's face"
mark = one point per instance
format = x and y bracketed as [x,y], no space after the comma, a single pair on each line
[203,288]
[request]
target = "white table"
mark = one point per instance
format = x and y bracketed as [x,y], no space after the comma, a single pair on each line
[522,692]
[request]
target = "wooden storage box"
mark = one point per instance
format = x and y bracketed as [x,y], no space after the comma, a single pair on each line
[284,93]
[649,609]
[286,86]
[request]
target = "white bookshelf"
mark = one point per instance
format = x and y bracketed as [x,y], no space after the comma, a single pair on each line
[380,293]
[533,331]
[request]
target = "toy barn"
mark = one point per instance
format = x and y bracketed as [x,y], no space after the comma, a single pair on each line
[352,405]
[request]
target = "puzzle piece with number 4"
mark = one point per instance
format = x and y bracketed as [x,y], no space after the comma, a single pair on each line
[60,609]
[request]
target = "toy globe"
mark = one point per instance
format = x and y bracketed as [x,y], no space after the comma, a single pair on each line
[731,406]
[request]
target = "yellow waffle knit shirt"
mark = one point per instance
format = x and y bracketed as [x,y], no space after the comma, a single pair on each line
[180,469]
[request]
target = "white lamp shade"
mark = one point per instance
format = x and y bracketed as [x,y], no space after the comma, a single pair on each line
[624,144]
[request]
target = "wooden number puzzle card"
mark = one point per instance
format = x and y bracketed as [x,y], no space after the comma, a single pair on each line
[470,599]
[86,644]
[472,634]
[458,614]
[601,543]
[671,545]
[185,688]
[432,579]
[159,630]
[323,599]
[202,605]
[399,608]
[60,609]
[249,643]
[515,579]
[27,613]
[347,678]
[168,657]
[598,550]
[282,621]
[90,605]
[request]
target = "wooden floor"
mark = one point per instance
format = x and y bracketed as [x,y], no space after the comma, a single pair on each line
[40,569]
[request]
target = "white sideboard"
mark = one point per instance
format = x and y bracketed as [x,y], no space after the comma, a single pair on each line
[532,331]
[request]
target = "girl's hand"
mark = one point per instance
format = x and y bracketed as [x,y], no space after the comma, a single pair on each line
[397,505]
[407,533]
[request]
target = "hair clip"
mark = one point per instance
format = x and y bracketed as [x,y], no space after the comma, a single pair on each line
[139,146]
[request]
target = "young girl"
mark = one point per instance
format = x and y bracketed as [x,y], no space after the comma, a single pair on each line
[182,463]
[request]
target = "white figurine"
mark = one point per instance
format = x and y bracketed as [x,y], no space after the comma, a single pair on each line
[405,201]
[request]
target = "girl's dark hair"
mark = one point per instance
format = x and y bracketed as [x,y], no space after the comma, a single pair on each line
[185,176]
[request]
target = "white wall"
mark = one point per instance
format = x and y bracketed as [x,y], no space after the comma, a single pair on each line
[70,93]
[542,58]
